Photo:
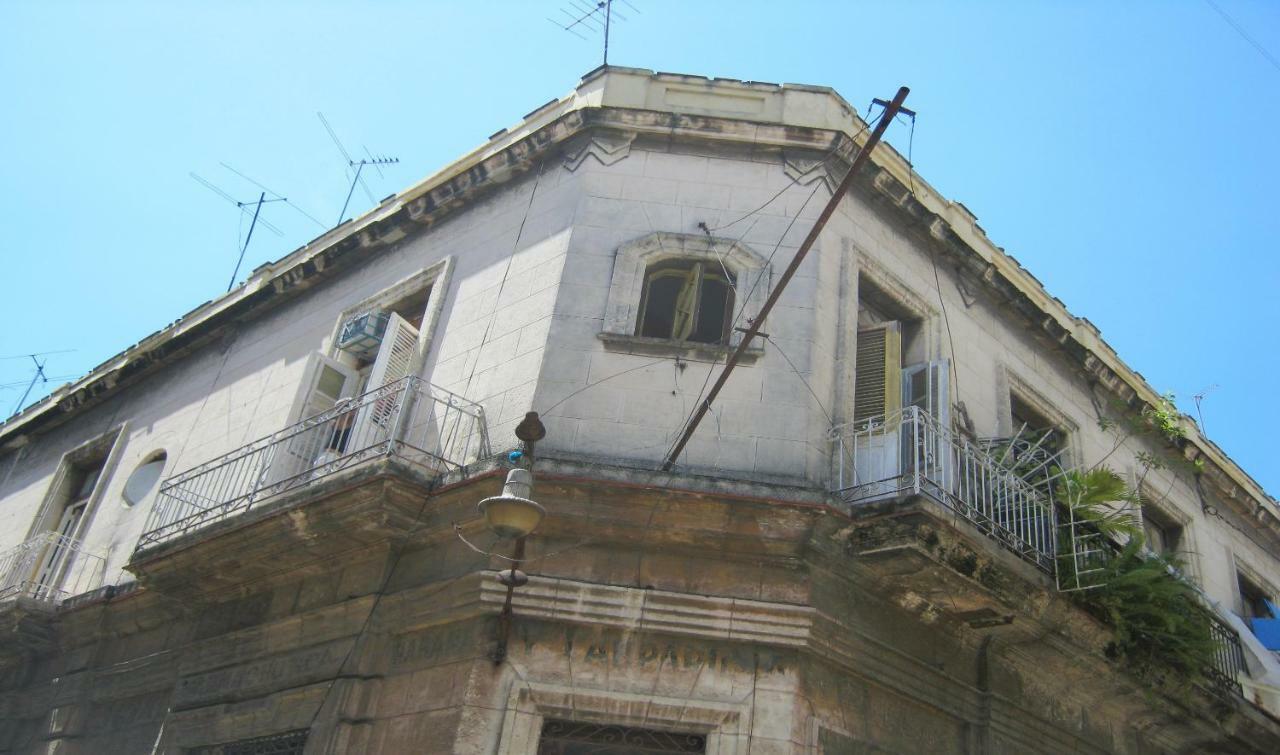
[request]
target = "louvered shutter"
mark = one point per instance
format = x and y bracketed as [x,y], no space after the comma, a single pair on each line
[686,305]
[395,356]
[395,360]
[877,387]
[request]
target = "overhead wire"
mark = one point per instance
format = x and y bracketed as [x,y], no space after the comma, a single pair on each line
[506,272]
[276,195]
[1245,35]
[954,371]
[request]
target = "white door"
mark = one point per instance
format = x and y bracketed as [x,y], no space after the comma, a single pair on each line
[57,555]
[328,382]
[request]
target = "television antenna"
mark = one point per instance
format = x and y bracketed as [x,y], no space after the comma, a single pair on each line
[277,195]
[377,162]
[1200,397]
[591,17]
[244,208]
[34,378]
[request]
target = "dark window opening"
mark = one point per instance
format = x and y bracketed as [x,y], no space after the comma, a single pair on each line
[687,301]
[1253,599]
[1164,535]
[288,743]
[576,738]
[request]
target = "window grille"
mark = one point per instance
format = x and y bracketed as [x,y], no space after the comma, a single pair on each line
[577,738]
[288,743]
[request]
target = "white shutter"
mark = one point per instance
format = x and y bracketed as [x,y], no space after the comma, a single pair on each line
[396,359]
[396,355]
[925,386]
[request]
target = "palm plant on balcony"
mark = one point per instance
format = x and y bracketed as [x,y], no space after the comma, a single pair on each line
[1162,631]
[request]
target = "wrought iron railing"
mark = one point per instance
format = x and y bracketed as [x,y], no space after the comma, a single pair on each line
[910,452]
[1228,657]
[409,419]
[49,567]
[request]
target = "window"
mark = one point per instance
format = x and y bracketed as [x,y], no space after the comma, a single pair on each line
[143,479]
[76,492]
[1254,600]
[1164,535]
[676,292]
[575,738]
[1037,447]
[892,370]
[289,743]
[687,300]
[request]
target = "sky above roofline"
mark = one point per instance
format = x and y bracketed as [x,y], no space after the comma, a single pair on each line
[1123,155]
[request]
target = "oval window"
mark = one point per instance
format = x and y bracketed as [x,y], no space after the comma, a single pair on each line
[144,479]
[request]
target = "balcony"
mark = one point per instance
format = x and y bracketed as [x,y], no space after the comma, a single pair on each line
[409,420]
[48,568]
[910,453]
[35,577]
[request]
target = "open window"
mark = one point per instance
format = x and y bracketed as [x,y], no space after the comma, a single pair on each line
[677,293]
[901,405]
[687,300]
[1255,601]
[56,534]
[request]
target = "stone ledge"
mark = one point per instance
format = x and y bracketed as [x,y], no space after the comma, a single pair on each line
[662,347]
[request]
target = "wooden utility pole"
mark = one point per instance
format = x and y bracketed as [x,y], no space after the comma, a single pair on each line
[890,111]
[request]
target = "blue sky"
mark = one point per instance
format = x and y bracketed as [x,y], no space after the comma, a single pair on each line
[1125,153]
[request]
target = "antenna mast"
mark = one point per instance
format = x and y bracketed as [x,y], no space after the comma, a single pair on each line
[244,208]
[38,376]
[588,16]
[377,162]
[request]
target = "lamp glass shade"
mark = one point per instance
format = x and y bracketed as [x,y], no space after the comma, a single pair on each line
[511,516]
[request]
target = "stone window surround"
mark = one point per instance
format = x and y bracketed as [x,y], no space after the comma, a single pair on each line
[436,275]
[725,724]
[879,277]
[627,287]
[1010,384]
[1241,568]
[109,446]
[1186,549]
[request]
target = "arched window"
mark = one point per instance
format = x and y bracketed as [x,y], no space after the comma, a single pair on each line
[687,300]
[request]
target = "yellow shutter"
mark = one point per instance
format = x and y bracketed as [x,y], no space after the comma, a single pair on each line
[877,387]
[686,304]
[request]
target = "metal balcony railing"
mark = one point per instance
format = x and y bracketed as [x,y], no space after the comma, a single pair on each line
[409,419]
[909,452]
[1228,658]
[49,567]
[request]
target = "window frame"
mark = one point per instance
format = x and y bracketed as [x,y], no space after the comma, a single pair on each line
[627,287]
[701,272]
[436,276]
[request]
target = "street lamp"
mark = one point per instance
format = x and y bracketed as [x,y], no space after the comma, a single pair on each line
[513,514]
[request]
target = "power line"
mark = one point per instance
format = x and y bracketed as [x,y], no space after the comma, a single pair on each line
[1245,35]
[37,354]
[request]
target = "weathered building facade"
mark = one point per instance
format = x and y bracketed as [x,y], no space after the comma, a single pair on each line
[256,530]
